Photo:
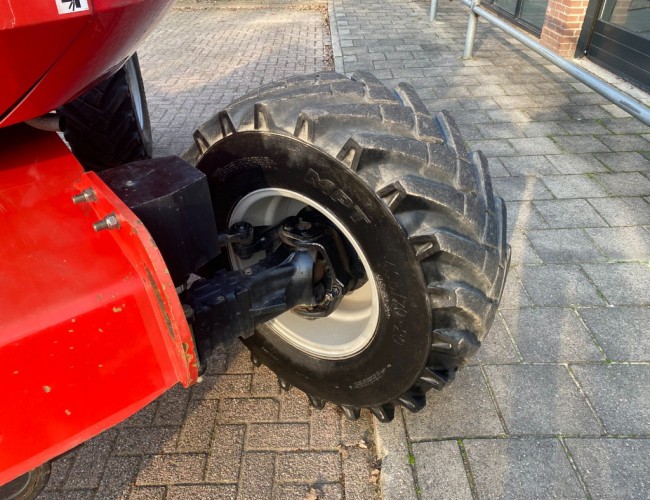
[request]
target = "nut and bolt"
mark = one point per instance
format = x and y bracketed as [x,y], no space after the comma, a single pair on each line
[86,196]
[108,222]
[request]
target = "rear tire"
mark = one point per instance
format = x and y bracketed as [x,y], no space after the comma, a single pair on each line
[401,186]
[28,486]
[109,125]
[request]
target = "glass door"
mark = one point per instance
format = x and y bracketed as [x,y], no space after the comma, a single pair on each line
[527,13]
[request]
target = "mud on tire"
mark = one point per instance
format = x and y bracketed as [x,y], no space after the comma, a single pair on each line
[419,207]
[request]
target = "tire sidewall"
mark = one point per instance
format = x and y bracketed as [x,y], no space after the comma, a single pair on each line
[398,351]
[135,85]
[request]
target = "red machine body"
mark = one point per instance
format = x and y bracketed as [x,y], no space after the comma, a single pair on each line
[91,327]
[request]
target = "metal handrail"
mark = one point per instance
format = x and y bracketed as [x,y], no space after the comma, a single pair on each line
[622,100]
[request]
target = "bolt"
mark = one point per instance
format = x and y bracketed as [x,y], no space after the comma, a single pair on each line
[86,196]
[248,271]
[108,222]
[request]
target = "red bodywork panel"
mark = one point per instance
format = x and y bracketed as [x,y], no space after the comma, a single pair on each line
[48,58]
[91,328]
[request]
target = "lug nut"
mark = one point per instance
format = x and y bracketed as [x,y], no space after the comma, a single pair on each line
[86,196]
[108,222]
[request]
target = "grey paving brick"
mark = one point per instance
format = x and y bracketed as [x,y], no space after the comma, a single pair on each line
[309,467]
[522,468]
[613,468]
[631,341]
[203,492]
[622,243]
[584,126]
[619,394]
[330,491]
[540,399]
[172,406]
[522,252]
[89,462]
[528,165]
[199,423]
[435,481]
[232,410]
[496,168]
[625,162]
[626,142]
[521,189]
[623,211]
[396,478]
[171,469]
[622,283]
[214,387]
[257,473]
[497,347]
[523,215]
[514,294]
[272,436]
[558,285]
[500,130]
[119,475]
[143,417]
[542,129]
[352,431]
[569,213]
[325,432]
[493,147]
[145,440]
[463,409]
[574,186]
[224,460]
[625,125]
[265,382]
[355,471]
[580,144]
[624,184]
[294,406]
[577,163]
[148,493]
[535,146]
[551,334]
[564,246]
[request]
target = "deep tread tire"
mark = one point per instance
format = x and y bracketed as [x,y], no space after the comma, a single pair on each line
[103,127]
[440,200]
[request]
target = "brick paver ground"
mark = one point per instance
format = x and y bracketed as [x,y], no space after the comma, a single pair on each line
[557,403]
[235,435]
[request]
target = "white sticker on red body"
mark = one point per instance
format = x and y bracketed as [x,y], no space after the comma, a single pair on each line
[71,6]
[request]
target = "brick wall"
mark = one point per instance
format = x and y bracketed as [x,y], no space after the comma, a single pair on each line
[562,25]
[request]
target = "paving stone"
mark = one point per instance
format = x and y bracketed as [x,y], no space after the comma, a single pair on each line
[524,216]
[214,387]
[621,331]
[573,186]
[396,478]
[277,436]
[540,399]
[257,476]
[522,252]
[522,468]
[584,126]
[145,440]
[464,408]
[355,471]
[625,162]
[622,283]
[613,468]
[331,491]
[528,165]
[564,246]
[265,382]
[580,144]
[514,294]
[499,130]
[521,188]
[90,460]
[226,452]
[493,147]
[203,492]
[626,142]
[558,285]
[142,417]
[436,481]
[569,213]
[325,432]
[199,424]
[551,334]
[577,163]
[171,469]
[294,406]
[535,146]
[622,243]
[624,184]
[172,406]
[622,211]
[497,347]
[542,129]
[352,431]
[497,169]
[148,493]
[619,394]
[232,410]
[625,125]
[119,475]
[309,467]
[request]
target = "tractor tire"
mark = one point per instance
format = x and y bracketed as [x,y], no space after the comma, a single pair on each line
[417,208]
[109,125]
[28,486]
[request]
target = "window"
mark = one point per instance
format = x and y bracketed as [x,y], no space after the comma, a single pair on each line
[527,13]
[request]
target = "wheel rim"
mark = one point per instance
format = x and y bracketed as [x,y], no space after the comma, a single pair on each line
[351,327]
[134,89]
[17,487]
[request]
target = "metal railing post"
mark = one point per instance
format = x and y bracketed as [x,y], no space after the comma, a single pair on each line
[433,11]
[472,23]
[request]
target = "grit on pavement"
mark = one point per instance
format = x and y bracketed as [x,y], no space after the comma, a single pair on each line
[235,435]
[556,403]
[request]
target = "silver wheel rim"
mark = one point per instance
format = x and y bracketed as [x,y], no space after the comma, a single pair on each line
[134,89]
[351,327]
